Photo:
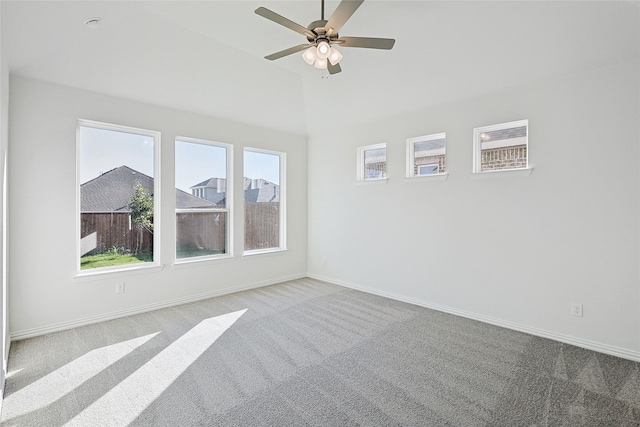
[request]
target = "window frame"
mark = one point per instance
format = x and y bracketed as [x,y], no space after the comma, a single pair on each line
[229,203]
[157,211]
[360,167]
[282,238]
[477,146]
[411,155]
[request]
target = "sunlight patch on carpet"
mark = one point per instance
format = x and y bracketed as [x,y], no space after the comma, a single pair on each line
[125,402]
[65,379]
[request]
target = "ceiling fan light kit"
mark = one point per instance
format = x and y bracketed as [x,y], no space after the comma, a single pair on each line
[321,63]
[310,55]
[323,49]
[318,56]
[335,56]
[322,35]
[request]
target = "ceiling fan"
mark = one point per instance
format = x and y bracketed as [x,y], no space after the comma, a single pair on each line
[322,37]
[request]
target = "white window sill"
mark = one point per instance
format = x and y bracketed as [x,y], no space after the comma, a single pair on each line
[372,181]
[96,274]
[201,261]
[427,178]
[266,252]
[502,173]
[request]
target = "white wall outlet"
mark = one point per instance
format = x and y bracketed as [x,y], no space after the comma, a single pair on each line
[576,309]
[324,261]
[119,288]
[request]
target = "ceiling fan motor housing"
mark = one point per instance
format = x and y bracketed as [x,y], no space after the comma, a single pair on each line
[318,28]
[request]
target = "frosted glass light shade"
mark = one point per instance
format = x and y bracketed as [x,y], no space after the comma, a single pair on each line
[309,55]
[323,50]
[335,56]
[321,63]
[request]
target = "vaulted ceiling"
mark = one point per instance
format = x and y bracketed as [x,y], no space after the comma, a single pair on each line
[208,56]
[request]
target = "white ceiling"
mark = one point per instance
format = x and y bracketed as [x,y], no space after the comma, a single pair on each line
[207,56]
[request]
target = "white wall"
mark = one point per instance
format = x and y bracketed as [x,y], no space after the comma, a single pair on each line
[514,251]
[4,122]
[42,207]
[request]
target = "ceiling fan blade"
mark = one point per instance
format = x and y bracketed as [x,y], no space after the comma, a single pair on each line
[366,42]
[286,52]
[278,19]
[333,69]
[342,13]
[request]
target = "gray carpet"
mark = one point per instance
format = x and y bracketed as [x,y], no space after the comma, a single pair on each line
[308,353]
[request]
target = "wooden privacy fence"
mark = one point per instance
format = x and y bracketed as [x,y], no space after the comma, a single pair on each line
[201,231]
[261,225]
[114,230]
[195,230]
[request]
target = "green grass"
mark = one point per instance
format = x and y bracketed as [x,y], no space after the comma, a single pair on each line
[110,259]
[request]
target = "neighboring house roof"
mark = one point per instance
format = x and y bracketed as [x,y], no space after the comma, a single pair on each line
[515,132]
[112,191]
[215,190]
[255,190]
[502,138]
[377,155]
[260,191]
[211,183]
[434,147]
[185,200]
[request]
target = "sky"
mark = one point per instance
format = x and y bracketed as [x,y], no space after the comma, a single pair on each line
[102,150]
[262,165]
[198,162]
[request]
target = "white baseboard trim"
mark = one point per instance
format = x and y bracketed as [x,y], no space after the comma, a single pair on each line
[2,381]
[579,342]
[34,332]
[3,370]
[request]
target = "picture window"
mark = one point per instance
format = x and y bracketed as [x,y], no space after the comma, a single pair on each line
[264,197]
[119,196]
[203,199]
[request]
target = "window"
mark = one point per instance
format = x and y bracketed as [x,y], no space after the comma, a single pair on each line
[426,155]
[501,147]
[118,196]
[264,197]
[203,199]
[428,169]
[372,162]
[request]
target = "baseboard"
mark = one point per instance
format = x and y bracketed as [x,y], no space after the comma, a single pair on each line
[3,371]
[590,345]
[2,380]
[34,332]
[579,342]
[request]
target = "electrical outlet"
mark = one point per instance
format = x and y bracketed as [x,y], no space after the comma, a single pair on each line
[119,288]
[324,261]
[576,309]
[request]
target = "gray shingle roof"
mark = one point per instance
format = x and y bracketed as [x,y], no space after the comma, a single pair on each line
[434,144]
[255,190]
[111,192]
[377,155]
[260,191]
[211,182]
[515,132]
[185,200]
